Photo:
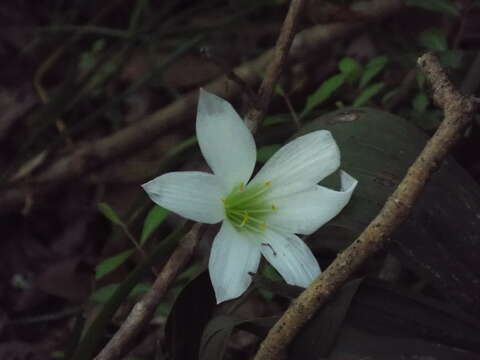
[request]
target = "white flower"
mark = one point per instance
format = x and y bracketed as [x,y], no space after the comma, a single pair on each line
[262,215]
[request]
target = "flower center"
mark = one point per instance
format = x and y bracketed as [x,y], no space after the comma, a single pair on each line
[246,207]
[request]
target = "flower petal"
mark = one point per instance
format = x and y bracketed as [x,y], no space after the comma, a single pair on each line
[226,143]
[232,257]
[300,164]
[290,256]
[191,194]
[307,211]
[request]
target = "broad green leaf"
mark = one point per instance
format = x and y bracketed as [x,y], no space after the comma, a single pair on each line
[420,102]
[443,6]
[111,263]
[350,67]
[434,39]
[110,214]
[377,149]
[153,220]
[373,67]
[265,152]
[368,93]
[323,93]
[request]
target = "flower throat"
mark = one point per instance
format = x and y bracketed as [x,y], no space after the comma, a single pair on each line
[246,207]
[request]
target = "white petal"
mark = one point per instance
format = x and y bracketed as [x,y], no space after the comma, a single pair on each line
[191,194]
[232,257]
[290,256]
[305,212]
[226,143]
[300,164]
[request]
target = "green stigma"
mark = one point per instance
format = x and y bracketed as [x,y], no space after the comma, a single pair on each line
[247,208]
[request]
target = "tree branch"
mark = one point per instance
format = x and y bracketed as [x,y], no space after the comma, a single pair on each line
[143,311]
[280,53]
[458,113]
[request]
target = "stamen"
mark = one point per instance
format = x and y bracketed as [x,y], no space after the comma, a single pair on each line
[274,207]
[252,228]
[245,219]
[256,221]
[246,207]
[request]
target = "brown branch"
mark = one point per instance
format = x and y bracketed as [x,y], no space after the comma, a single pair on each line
[458,113]
[144,310]
[280,53]
[99,152]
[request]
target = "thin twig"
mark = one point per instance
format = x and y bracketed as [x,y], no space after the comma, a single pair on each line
[144,309]
[295,117]
[458,113]
[280,53]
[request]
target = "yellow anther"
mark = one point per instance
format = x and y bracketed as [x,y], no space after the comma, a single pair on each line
[268,183]
[245,219]
[274,207]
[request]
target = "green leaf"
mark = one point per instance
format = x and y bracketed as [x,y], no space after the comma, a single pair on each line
[443,6]
[350,67]
[265,152]
[368,93]
[111,263]
[420,102]
[434,39]
[377,149]
[110,214]
[153,220]
[373,67]
[324,92]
